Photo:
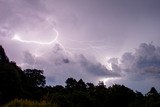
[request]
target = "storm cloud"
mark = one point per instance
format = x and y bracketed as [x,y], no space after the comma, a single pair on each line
[89,33]
[59,65]
[140,67]
[144,61]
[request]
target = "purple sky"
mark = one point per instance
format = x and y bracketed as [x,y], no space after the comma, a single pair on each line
[117,41]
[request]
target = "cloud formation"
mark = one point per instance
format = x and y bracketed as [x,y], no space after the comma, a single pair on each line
[140,68]
[59,65]
[142,65]
[145,61]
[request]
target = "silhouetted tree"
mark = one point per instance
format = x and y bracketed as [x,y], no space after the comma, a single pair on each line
[34,78]
[152,91]
[71,83]
[101,84]
[120,94]
[3,57]
[81,85]
[90,85]
[10,78]
[58,88]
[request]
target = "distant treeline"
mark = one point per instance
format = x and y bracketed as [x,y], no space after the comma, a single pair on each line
[28,88]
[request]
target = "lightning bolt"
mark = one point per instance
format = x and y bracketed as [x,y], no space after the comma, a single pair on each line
[16,37]
[55,40]
[88,44]
[110,80]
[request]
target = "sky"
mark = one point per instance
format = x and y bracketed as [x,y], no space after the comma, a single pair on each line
[115,41]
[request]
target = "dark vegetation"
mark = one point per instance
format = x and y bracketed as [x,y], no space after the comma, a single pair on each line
[26,88]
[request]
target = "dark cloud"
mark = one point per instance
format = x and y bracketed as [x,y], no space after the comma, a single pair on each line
[59,65]
[113,61]
[144,61]
[96,68]
[139,69]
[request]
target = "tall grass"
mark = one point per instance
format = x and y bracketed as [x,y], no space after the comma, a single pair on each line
[29,103]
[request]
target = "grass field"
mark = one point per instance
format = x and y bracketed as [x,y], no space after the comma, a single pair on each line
[29,103]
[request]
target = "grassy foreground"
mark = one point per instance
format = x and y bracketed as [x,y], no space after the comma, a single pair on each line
[29,103]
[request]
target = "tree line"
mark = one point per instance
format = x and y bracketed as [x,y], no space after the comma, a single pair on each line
[30,84]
